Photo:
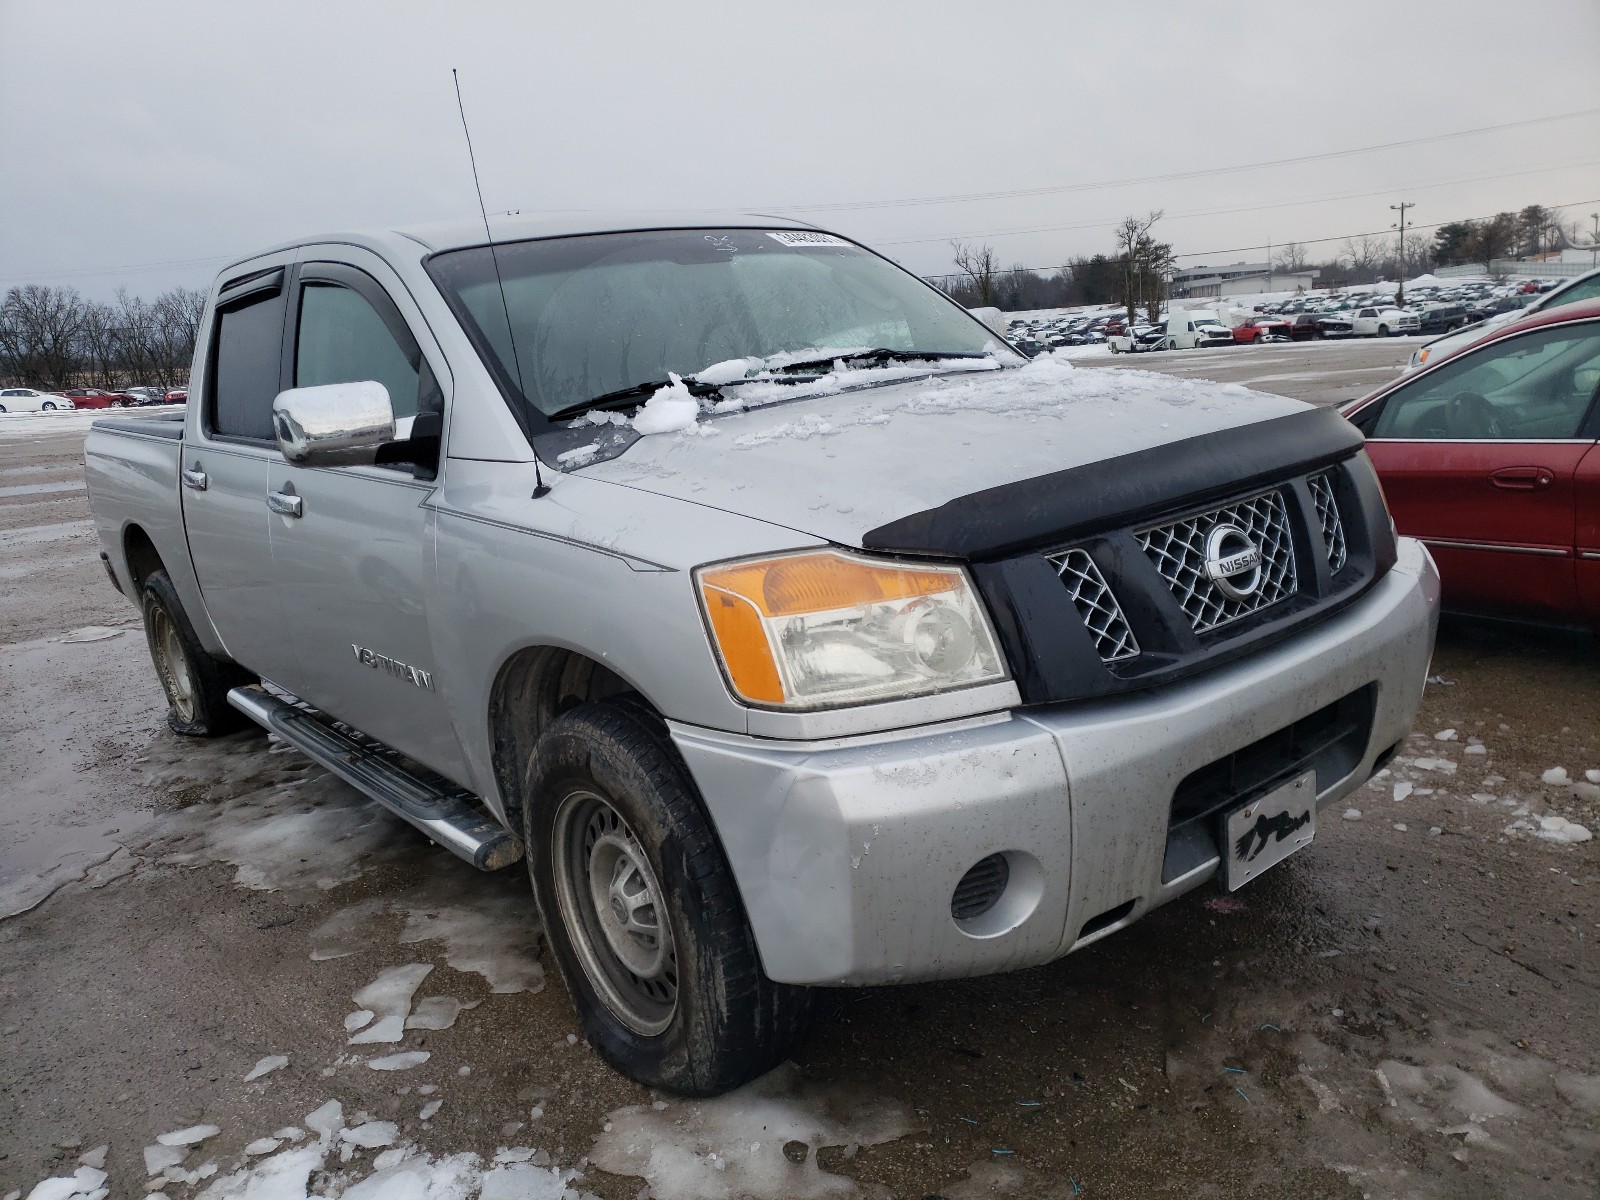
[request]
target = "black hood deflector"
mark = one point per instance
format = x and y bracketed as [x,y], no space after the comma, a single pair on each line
[1050,509]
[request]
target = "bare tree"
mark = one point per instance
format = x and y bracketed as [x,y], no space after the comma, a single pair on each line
[1144,262]
[1365,254]
[981,268]
[1290,258]
[39,332]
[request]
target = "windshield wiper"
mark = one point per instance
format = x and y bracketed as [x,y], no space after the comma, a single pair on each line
[628,396]
[880,355]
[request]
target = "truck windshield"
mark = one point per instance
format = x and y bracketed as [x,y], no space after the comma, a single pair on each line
[597,314]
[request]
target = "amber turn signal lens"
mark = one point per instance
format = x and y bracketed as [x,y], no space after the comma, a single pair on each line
[742,638]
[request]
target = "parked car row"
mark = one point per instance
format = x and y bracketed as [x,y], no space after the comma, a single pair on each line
[22,399]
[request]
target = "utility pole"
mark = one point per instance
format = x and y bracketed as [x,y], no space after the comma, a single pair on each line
[1400,296]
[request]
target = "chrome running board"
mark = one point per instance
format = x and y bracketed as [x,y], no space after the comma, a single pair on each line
[451,816]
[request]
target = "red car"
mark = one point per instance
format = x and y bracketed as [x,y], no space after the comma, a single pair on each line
[1256,328]
[95,398]
[1492,457]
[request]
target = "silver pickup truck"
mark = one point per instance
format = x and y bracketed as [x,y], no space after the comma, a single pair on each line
[792,628]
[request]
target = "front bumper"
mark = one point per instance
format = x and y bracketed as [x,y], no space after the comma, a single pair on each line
[847,852]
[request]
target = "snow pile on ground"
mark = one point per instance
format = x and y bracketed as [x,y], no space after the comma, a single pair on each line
[760,1141]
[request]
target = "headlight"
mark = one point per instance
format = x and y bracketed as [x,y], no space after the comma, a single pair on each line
[823,628]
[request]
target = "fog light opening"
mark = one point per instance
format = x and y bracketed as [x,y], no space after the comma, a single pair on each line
[998,893]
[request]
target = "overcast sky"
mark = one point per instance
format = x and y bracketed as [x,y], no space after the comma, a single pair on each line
[143,143]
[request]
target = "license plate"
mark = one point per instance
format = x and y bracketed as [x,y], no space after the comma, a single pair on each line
[1266,831]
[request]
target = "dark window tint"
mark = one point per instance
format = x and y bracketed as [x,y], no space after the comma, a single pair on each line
[244,372]
[342,339]
[1537,385]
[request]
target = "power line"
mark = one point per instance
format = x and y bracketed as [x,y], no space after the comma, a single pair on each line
[1107,222]
[1336,237]
[1057,189]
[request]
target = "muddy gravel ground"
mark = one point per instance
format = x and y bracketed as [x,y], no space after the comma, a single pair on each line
[1409,1008]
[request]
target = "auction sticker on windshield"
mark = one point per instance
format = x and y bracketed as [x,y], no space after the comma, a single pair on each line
[804,237]
[1266,831]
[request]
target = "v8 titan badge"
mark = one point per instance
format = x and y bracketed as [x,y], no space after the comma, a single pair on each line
[1266,831]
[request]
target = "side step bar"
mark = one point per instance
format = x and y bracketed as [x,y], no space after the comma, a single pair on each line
[450,816]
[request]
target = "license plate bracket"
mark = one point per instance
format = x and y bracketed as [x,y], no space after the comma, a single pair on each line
[1264,832]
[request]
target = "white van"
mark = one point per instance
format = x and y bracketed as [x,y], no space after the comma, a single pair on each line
[1199,327]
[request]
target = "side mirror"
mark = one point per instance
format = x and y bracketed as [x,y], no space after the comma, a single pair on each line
[334,424]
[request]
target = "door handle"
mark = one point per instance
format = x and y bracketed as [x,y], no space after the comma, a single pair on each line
[195,479]
[285,503]
[1523,479]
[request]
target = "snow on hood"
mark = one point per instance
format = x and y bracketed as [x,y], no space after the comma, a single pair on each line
[839,464]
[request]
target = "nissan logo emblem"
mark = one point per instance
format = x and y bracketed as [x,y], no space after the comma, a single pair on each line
[1233,562]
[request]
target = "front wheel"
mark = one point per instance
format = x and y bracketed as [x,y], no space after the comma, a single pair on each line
[48,407]
[1383,331]
[640,906]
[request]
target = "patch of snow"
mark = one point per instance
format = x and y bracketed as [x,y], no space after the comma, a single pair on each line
[732,1146]
[668,410]
[188,1137]
[728,370]
[371,1135]
[359,1019]
[1559,829]
[326,1121]
[1556,777]
[262,1146]
[1476,748]
[158,1158]
[1352,814]
[579,455]
[95,1158]
[438,1012]
[1445,735]
[430,1110]
[403,1061]
[267,1065]
[86,1183]
[1443,765]
[1402,790]
[389,996]
[1592,776]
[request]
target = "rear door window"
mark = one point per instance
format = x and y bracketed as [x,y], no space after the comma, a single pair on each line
[245,367]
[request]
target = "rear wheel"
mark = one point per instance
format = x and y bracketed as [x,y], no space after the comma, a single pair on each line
[640,906]
[196,684]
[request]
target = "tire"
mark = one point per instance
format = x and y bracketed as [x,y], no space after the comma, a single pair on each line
[47,407]
[2,408]
[608,794]
[1383,331]
[196,684]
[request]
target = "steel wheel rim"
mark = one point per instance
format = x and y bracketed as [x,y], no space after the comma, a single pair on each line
[172,664]
[615,913]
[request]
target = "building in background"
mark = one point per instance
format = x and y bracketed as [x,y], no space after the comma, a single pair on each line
[1238,280]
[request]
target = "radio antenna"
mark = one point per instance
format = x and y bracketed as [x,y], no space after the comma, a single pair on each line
[540,487]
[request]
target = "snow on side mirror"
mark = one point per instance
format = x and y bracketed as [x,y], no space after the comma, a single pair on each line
[333,424]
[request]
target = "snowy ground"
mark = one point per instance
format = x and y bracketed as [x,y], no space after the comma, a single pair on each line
[226,974]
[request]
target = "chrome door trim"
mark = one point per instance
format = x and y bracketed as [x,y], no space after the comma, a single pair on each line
[1500,547]
[1590,554]
[195,479]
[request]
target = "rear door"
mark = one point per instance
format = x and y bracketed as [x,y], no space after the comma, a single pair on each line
[227,447]
[1480,459]
[355,565]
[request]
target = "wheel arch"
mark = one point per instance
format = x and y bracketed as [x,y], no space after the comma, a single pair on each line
[141,556]
[534,686]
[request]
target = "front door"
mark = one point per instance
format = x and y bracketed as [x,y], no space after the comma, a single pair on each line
[227,448]
[1479,459]
[355,565]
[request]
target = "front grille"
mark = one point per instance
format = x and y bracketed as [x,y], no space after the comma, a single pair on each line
[1178,551]
[1328,516]
[980,888]
[1113,639]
